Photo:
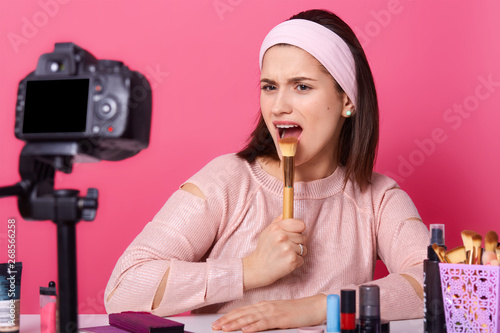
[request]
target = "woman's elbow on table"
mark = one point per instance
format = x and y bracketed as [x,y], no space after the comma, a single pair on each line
[116,300]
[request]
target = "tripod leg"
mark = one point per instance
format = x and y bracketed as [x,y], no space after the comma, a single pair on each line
[66,252]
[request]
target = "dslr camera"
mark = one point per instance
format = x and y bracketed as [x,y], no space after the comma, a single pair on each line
[97,108]
[74,108]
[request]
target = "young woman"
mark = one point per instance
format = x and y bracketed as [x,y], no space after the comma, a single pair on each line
[219,244]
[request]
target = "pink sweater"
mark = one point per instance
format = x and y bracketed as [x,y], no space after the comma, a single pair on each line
[203,241]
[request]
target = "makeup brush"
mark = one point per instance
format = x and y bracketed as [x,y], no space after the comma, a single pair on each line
[490,241]
[457,255]
[288,147]
[436,249]
[442,252]
[476,242]
[490,244]
[469,248]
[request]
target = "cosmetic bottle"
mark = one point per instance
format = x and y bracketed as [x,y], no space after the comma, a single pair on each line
[434,321]
[369,309]
[10,296]
[347,311]
[48,308]
[333,313]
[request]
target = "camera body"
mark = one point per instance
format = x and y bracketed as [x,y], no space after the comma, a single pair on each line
[71,97]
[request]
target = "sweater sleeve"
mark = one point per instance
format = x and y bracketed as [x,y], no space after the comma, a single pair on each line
[178,238]
[401,244]
[402,241]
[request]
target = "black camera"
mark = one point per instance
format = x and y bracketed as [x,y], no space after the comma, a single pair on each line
[74,108]
[101,106]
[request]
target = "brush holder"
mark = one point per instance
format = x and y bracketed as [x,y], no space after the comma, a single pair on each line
[471,297]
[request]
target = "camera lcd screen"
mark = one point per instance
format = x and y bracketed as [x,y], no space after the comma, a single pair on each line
[56,106]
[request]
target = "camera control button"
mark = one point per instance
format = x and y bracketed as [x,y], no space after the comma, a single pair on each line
[96,129]
[98,86]
[106,108]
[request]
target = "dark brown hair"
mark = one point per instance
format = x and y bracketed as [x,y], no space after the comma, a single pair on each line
[359,135]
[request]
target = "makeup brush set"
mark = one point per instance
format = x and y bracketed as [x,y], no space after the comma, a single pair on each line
[471,252]
[470,283]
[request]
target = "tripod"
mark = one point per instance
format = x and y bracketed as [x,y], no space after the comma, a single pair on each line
[38,200]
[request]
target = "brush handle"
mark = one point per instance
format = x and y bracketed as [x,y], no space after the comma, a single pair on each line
[479,255]
[287,202]
[471,255]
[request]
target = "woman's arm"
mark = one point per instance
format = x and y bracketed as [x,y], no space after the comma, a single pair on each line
[402,241]
[160,270]
[308,311]
[175,241]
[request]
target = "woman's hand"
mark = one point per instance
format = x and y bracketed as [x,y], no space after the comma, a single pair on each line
[277,254]
[267,315]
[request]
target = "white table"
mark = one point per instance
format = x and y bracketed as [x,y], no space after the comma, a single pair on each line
[197,323]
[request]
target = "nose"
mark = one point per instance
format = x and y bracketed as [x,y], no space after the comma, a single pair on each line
[281,103]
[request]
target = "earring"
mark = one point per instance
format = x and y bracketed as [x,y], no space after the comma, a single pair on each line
[348,113]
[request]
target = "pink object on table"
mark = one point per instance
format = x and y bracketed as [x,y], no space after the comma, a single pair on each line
[103,329]
[144,322]
[48,318]
[137,322]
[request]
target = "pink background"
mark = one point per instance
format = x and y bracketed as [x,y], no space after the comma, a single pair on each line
[201,59]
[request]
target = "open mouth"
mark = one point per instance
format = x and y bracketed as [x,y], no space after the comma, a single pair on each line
[285,131]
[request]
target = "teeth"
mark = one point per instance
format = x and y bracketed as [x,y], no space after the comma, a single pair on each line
[284,128]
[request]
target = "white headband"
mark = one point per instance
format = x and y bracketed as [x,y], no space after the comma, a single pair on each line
[323,44]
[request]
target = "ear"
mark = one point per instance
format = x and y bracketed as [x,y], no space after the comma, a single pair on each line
[348,107]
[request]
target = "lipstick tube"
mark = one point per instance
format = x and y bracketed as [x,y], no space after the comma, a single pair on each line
[347,311]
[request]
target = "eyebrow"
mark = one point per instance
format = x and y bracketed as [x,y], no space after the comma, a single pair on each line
[291,80]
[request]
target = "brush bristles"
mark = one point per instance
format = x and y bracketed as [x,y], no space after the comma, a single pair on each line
[469,245]
[442,253]
[490,241]
[435,247]
[457,255]
[467,239]
[288,146]
[477,240]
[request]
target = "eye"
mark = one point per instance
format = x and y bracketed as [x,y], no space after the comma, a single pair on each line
[303,87]
[268,87]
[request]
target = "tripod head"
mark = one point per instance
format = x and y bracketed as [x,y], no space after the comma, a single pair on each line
[37,200]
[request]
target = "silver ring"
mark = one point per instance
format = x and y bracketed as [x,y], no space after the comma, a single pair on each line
[301,249]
